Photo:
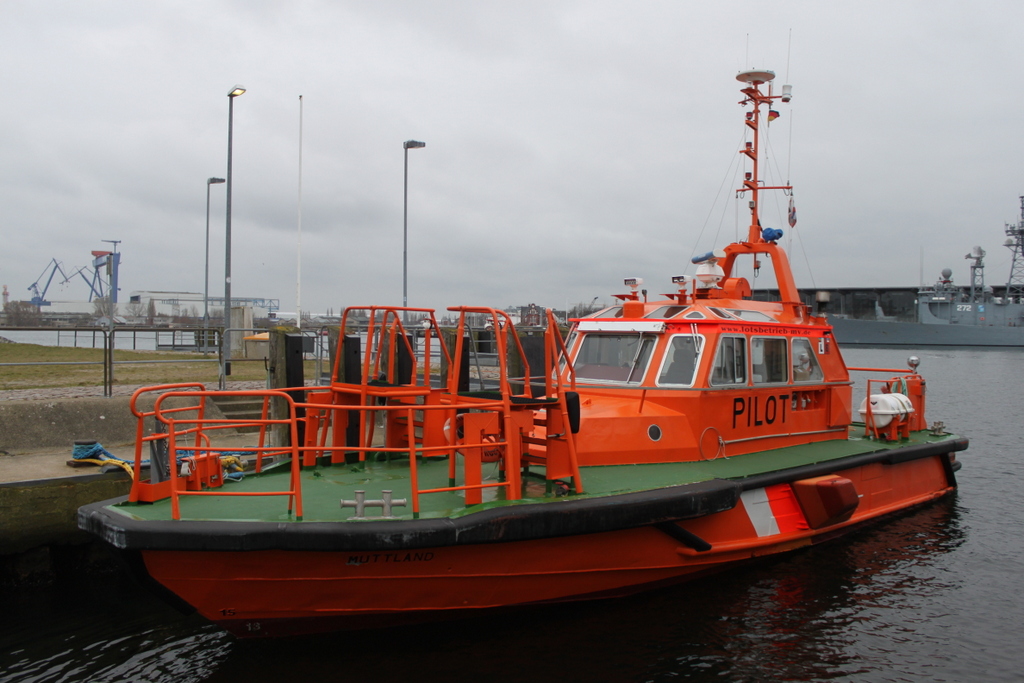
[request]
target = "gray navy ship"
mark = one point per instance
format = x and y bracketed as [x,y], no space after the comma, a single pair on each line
[950,314]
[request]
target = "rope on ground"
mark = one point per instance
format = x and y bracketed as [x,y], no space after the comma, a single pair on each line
[96,454]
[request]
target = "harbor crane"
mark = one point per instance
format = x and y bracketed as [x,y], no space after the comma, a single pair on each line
[105,265]
[39,297]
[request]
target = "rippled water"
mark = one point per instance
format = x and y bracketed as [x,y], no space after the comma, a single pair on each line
[932,595]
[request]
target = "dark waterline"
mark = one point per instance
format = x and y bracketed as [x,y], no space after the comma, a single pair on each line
[931,595]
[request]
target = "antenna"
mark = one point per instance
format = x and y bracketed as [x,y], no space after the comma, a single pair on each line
[789,51]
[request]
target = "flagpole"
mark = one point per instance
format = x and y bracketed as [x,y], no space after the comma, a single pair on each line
[298,264]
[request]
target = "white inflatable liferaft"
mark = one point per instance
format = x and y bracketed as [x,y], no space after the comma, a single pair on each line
[885,407]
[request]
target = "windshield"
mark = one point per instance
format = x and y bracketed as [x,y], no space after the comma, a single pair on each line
[614,357]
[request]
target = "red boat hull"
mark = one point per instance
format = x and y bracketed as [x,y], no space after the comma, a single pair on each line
[277,592]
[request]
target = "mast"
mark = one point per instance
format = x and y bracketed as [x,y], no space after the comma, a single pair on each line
[762,240]
[1015,242]
[752,181]
[977,257]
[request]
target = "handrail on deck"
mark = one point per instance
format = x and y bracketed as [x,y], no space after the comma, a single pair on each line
[515,429]
[431,442]
[368,395]
[391,323]
[554,388]
[140,421]
[501,321]
[187,390]
[205,457]
[558,352]
[898,426]
[294,493]
[901,371]
[906,382]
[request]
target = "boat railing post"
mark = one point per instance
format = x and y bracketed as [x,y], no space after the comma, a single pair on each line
[414,484]
[172,449]
[295,499]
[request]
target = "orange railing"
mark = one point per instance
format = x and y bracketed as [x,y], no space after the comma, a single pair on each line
[557,443]
[421,419]
[140,424]
[911,385]
[385,323]
[200,471]
[446,427]
[556,353]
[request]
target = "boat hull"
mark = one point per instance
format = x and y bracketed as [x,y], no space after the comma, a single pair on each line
[854,332]
[276,592]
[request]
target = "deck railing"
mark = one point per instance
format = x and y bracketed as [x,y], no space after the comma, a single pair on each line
[420,419]
[911,385]
[417,424]
[193,462]
[196,468]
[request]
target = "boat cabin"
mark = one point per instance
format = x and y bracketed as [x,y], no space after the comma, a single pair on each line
[703,374]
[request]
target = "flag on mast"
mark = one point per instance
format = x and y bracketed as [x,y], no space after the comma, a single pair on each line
[792,213]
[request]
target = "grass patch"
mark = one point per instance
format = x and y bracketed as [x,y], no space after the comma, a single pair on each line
[188,367]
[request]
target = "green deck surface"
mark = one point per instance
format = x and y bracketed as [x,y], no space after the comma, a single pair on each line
[323,487]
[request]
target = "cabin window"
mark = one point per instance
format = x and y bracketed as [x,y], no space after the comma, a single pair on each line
[695,315]
[613,312]
[720,313]
[730,361]
[666,312]
[754,316]
[681,360]
[614,357]
[768,360]
[805,363]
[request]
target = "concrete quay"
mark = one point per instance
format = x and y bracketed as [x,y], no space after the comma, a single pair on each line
[40,493]
[38,427]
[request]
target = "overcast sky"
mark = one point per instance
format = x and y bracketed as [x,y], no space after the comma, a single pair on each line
[569,144]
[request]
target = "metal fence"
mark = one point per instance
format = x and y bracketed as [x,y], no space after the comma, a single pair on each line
[206,343]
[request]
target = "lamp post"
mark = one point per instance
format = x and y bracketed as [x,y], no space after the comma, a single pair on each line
[407,145]
[206,280]
[226,340]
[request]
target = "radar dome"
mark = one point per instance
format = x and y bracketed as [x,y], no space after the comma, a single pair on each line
[946,273]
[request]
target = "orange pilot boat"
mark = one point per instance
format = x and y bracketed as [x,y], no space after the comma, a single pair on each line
[658,442]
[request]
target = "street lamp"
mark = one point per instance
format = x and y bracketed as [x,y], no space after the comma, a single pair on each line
[206,281]
[407,145]
[226,340]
